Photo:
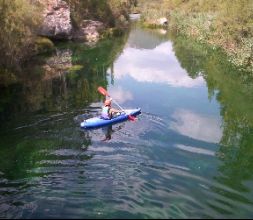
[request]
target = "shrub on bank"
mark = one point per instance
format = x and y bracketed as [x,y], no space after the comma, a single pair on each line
[43,45]
[222,23]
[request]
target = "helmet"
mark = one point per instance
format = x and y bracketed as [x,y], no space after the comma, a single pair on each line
[108,102]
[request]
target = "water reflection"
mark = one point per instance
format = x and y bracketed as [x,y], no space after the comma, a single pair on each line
[121,95]
[188,154]
[220,129]
[233,90]
[195,150]
[110,130]
[159,65]
[145,39]
[200,127]
[65,80]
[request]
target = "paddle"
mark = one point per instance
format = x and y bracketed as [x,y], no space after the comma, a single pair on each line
[105,93]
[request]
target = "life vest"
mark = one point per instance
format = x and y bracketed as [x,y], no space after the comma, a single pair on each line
[105,112]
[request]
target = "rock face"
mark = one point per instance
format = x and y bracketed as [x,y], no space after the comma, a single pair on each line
[57,22]
[58,64]
[162,21]
[89,31]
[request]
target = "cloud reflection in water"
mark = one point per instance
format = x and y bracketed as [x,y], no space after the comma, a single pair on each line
[159,65]
[200,127]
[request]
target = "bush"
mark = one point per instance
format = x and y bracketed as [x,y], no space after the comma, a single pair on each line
[222,23]
[43,45]
[18,24]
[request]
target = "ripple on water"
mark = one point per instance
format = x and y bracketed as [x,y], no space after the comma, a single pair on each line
[140,171]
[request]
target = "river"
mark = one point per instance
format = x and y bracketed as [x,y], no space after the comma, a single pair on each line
[189,154]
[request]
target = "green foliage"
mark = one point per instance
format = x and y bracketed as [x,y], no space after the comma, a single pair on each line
[233,89]
[75,68]
[110,12]
[20,20]
[43,45]
[90,9]
[222,23]
[151,11]
[18,24]
[7,78]
[113,32]
[54,83]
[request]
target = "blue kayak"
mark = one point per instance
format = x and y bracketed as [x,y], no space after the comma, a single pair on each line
[97,122]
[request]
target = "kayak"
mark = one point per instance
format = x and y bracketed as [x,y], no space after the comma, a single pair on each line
[97,122]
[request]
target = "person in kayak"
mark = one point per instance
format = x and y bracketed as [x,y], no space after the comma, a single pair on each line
[107,111]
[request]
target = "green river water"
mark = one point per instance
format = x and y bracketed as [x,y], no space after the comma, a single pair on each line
[189,154]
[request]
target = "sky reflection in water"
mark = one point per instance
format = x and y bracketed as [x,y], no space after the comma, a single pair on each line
[165,88]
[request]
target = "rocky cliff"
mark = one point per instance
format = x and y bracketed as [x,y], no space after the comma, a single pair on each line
[57,23]
[56,20]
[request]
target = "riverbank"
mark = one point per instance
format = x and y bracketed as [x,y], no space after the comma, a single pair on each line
[209,22]
[29,28]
